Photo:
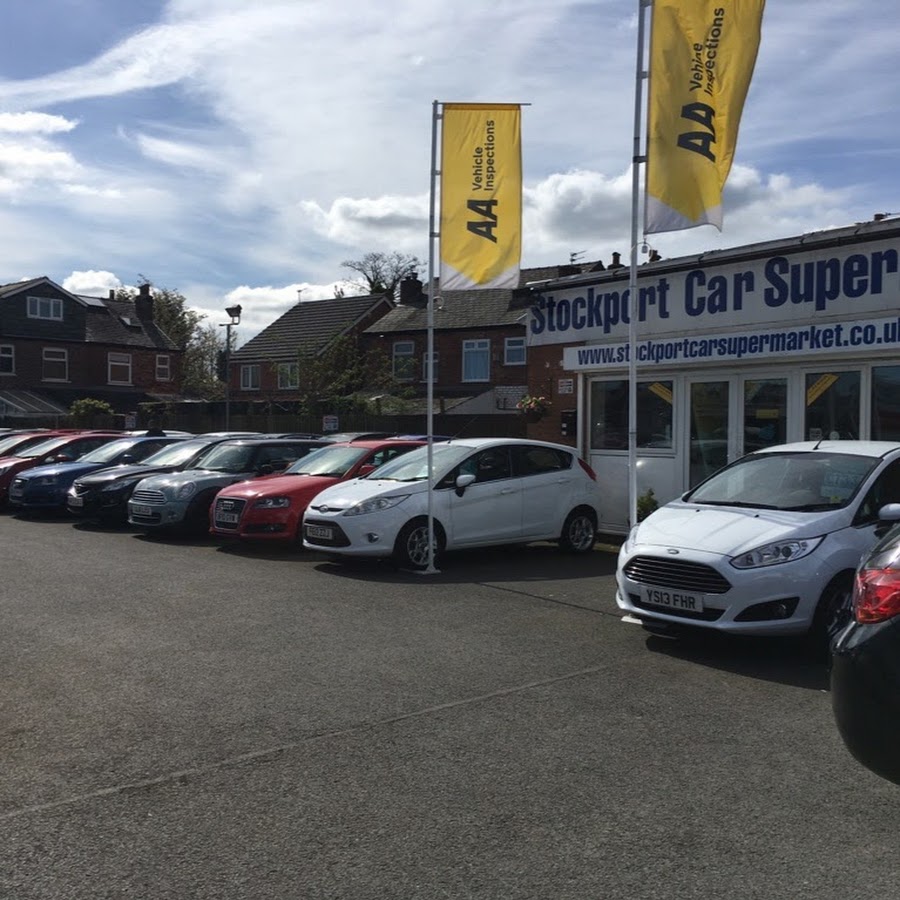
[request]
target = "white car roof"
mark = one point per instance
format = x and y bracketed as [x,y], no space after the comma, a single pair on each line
[478,443]
[855,448]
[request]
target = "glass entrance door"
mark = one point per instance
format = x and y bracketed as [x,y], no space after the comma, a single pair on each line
[709,428]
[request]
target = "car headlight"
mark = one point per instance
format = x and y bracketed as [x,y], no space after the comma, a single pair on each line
[272,503]
[45,481]
[776,553]
[629,541]
[114,487]
[376,504]
[186,491]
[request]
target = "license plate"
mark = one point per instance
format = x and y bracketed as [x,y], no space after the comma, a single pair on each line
[320,531]
[141,510]
[75,501]
[226,518]
[673,600]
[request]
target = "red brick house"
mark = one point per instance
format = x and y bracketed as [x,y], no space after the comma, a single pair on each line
[56,347]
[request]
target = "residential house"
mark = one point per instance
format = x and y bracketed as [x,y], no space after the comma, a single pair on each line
[268,367]
[480,358]
[56,347]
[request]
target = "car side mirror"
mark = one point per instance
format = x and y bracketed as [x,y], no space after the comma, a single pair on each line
[127,458]
[462,482]
[890,512]
[364,470]
[265,469]
[63,457]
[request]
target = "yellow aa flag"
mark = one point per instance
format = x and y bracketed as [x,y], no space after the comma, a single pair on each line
[481,196]
[702,54]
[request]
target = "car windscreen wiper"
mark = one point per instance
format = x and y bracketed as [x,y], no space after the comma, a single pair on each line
[812,507]
[740,504]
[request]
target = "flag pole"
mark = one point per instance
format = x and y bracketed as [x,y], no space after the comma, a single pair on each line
[636,160]
[429,341]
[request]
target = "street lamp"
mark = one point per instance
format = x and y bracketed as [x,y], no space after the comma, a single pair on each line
[235,313]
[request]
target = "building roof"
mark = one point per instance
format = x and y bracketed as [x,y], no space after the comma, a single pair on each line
[474,307]
[308,327]
[108,321]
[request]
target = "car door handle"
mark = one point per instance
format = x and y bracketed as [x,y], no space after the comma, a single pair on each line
[507,491]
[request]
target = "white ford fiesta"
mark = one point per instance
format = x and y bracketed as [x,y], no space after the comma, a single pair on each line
[766,546]
[486,491]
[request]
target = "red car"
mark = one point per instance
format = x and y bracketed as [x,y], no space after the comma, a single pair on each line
[271,508]
[64,447]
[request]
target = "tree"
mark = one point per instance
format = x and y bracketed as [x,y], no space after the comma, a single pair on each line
[199,342]
[85,411]
[382,272]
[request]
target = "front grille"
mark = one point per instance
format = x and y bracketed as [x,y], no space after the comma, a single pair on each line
[675,573]
[149,498]
[79,490]
[227,513]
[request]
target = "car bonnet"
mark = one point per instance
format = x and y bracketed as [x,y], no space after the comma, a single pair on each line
[730,531]
[279,486]
[345,494]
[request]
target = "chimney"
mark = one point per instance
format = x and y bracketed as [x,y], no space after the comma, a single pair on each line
[143,303]
[616,261]
[112,294]
[411,290]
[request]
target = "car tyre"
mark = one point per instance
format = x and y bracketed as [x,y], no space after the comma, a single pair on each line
[579,532]
[411,546]
[833,612]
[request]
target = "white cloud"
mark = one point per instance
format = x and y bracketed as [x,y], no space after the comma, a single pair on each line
[91,283]
[34,123]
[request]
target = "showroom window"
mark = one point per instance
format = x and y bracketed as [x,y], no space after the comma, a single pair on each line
[832,406]
[56,365]
[609,415]
[119,368]
[250,377]
[885,403]
[7,359]
[476,360]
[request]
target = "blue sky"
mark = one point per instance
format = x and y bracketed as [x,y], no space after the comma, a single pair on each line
[241,150]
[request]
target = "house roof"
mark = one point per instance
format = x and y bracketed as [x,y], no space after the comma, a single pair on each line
[107,321]
[309,326]
[474,307]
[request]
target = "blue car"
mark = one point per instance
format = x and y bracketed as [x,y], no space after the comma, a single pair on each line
[46,487]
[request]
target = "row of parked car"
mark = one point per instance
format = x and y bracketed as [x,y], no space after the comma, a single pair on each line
[769,545]
[314,490]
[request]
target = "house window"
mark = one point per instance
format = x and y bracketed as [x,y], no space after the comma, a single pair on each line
[7,359]
[476,360]
[514,351]
[119,368]
[404,360]
[288,376]
[163,367]
[250,377]
[434,362]
[45,308]
[56,365]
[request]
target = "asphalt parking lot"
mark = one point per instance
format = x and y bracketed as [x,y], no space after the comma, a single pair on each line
[179,720]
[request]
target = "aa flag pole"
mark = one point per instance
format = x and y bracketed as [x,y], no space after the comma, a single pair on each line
[637,159]
[429,345]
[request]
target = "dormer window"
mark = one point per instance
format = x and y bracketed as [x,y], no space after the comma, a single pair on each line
[45,308]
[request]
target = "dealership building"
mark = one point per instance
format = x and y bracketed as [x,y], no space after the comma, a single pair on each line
[788,340]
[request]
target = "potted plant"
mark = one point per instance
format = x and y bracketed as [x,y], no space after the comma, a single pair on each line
[533,408]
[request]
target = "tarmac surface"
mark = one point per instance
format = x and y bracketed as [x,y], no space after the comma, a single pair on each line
[179,720]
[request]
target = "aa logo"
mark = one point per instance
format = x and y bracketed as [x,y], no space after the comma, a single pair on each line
[485,226]
[699,141]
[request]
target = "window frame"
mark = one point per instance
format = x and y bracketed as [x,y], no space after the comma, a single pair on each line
[476,348]
[288,376]
[121,361]
[249,373]
[33,308]
[163,367]
[64,360]
[11,356]
[435,361]
[404,351]
[519,344]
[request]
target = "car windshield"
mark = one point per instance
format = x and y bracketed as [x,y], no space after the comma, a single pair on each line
[108,452]
[177,454]
[413,466]
[229,458]
[43,447]
[807,481]
[15,440]
[333,461]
